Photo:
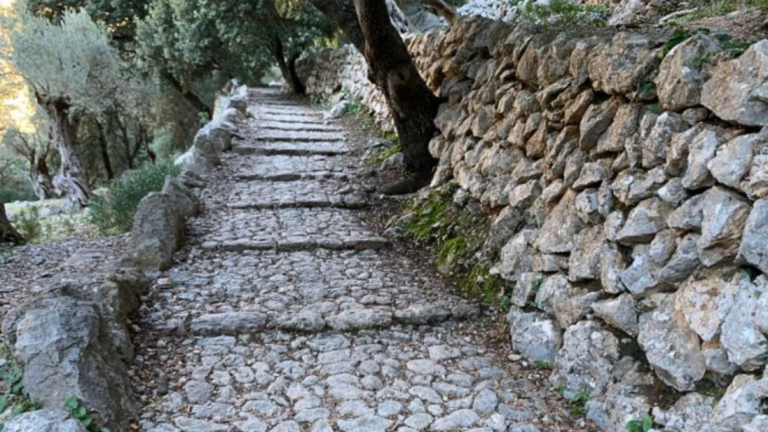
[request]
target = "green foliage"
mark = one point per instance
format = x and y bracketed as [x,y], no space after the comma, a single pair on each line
[578,404]
[643,424]
[14,396]
[27,223]
[716,8]
[542,365]
[678,36]
[114,211]
[454,236]
[734,47]
[383,154]
[72,61]
[646,91]
[560,13]
[699,61]
[75,407]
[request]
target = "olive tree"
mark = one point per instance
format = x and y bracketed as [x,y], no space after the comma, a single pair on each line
[72,69]
[8,233]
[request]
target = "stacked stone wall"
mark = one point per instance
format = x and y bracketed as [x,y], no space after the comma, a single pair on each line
[632,180]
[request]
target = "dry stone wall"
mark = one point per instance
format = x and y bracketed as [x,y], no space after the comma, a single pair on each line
[632,183]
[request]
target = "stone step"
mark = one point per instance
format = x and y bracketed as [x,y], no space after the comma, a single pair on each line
[296,136]
[292,176]
[281,148]
[297,194]
[295,113]
[289,228]
[276,165]
[299,126]
[301,120]
[303,290]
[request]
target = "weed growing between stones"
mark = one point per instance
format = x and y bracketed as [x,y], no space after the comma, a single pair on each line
[75,407]
[455,234]
[644,424]
[14,401]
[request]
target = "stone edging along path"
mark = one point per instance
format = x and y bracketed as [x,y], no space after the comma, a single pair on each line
[74,338]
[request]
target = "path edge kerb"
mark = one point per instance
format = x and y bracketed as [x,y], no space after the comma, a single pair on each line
[74,339]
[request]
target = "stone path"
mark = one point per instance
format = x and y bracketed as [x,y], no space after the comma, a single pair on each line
[286,313]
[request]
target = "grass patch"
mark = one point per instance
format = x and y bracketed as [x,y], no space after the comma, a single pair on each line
[383,154]
[453,236]
[715,8]
[114,211]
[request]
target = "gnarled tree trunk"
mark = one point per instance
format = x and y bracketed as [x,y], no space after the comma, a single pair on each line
[8,233]
[287,67]
[189,96]
[72,179]
[412,104]
[368,25]
[40,175]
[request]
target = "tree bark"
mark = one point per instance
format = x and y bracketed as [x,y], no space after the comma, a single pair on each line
[442,9]
[343,13]
[412,104]
[287,67]
[40,175]
[8,233]
[189,96]
[105,152]
[72,179]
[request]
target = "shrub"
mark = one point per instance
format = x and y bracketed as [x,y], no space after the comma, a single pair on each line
[113,211]
[28,223]
[564,13]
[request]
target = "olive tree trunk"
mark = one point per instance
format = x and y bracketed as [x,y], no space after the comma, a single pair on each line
[413,105]
[72,179]
[287,67]
[40,175]
[8,233]
[368,25]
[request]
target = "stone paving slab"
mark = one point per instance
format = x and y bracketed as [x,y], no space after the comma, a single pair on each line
[291,167]
[307,291]
[300,193]
[298,136]
[432,378]
[284,117]
[293,126]
[290,229]
[290,149]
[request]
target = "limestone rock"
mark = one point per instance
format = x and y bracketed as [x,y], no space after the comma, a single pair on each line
[621,403]
[587,359]
[754,243]
[737,91]
[61,345]
[745,323]
[702,149]
[680,80]
[571,305]
[516,256]
[584,262]
[227,323]
[644,221]
[689,414]
[558,233]
[744,396]
[705,303]
[620,313]
[655,145]
[625,125]
[534,335]
[672,348]
[620,67]
[596,120]
[158,231]
[733,160]
[725,214]
[612,264]
[44,421]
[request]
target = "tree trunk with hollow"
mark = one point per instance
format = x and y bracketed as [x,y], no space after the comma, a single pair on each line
[72,179]
[413,106]
[40,175]
[8,233]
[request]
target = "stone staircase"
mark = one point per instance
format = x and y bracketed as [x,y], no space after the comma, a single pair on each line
[288,313]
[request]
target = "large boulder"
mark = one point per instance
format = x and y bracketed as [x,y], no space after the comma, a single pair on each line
[680,78]
[45,421]
[738,89]
[65,349]
[621,67]
[158,231]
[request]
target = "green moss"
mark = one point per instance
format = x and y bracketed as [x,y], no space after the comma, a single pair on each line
[454,235]
[383,155]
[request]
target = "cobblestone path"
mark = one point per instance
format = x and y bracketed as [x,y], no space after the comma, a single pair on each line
[286,313]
